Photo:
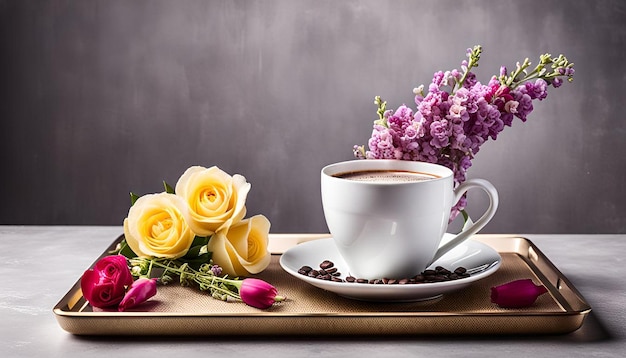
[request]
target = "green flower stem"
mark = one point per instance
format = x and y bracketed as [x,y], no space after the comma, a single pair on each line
[206,280]
[473,58]
[520,76]
[382,107]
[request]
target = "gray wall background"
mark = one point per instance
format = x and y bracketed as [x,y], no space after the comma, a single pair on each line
[99,98]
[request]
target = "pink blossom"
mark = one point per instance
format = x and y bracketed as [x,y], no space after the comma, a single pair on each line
[536,90]
[258,293]
[439,131]
[140,291]
[511,106]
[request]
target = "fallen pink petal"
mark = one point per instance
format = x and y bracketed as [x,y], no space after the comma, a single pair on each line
[258,293]
[516,294]
[140,291]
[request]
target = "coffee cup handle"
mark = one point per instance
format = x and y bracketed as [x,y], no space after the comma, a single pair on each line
[471,228]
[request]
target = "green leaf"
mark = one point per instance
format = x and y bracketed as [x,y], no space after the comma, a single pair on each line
[168,188]
[126,250]
[198,243]
[198,261]
[193,252]
[133,198]
[200,240]
[465,215]
[197,255]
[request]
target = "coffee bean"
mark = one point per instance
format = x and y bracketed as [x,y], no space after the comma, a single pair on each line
[328,272]
[304,270]
[460,270]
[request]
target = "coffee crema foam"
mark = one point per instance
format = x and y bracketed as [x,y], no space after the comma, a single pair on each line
[386,176]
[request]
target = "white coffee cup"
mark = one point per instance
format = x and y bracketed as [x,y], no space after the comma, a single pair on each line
[393,229]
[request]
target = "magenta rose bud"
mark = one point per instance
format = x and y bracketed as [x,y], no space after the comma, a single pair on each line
[516,294]
[105,284]
[258,293]
[101,292]
[140,291]
[115,268]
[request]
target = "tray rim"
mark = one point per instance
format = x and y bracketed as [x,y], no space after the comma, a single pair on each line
[279,242]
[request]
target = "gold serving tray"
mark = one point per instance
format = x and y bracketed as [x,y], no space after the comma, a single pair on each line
[177,310]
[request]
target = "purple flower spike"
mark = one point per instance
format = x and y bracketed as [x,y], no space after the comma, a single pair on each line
[516,294]
[216,270]
[457,113]
[503,71]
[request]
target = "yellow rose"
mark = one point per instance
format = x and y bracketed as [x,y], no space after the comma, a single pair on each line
[242,250]
[216,200]
[156,227]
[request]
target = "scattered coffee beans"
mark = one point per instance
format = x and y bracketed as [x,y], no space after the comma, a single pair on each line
[327,271]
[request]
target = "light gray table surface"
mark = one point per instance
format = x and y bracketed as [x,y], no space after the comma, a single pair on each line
[39,264]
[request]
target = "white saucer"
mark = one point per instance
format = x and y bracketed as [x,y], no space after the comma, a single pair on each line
[479,259]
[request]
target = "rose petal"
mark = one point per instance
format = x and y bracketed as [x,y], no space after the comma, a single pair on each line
[516,294]
[114,267]
[224,255]
[257,256]
[87,282]
[243,250]
[99,291]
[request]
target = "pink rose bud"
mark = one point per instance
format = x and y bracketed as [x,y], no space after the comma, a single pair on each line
[105,284]
[101,292]
[516,294]
[140,291]
[258,293]
[115,268]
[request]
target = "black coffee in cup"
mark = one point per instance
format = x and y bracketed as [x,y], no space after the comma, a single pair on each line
[386,176]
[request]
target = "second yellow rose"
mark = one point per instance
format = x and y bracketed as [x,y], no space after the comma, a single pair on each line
[216,200]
